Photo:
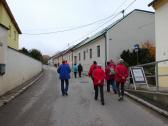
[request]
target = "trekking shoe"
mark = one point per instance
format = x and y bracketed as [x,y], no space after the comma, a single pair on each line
[115,92]
[103,103]
[120,98]
[95,98]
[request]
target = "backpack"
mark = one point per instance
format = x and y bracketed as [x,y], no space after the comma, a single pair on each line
[112,71]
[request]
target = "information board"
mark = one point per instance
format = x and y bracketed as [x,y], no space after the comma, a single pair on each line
[138,76]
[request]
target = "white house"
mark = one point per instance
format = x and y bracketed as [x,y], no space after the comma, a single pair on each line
[91,49]
[136,27]
[161,33]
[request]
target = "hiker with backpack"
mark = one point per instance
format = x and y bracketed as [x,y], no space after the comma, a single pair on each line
[110,76]
[121,77]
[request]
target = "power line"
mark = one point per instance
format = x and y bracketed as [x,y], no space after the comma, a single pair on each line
[70,29]
[78,27]
[114,15]
[110,18]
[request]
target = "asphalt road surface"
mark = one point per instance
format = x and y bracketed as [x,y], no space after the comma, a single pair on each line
[43,105]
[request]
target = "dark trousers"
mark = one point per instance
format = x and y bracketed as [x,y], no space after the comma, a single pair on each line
[97,92]
[64,89]
[75,74]
[93,82]
[80,73]
[120,89]
[109,83]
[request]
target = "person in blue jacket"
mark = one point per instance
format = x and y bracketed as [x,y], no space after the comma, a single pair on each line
[75,69]
[64,72]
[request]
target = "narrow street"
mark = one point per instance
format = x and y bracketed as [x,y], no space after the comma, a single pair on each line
[43,105]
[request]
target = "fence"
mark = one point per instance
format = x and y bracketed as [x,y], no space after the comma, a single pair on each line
[156,74]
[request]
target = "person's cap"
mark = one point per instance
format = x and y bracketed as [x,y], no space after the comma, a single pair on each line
[120,60]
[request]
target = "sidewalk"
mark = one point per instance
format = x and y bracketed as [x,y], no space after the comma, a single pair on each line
[7,97]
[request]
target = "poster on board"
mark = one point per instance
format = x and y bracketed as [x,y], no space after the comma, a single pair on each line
[138,76]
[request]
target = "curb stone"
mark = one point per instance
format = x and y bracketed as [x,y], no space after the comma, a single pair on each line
[155,108]
[4,100]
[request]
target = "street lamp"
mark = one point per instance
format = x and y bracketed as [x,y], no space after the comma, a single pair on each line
[136,48]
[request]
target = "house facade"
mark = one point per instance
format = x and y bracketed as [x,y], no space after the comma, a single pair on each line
[7,19]
[161,33]
[91,50]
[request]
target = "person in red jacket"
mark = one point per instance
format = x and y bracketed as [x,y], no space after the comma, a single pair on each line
[110,76]
[92,68]
[121,76]
[99,76]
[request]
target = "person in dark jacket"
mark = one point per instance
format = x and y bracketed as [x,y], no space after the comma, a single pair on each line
[80,69]
[64,72]
[121,76]
[99,76]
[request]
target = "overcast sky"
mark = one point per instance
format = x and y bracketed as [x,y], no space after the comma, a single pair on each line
[51,16]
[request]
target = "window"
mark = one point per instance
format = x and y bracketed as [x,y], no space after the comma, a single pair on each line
[98,51]
[90,52]
[79,57]
[84,55]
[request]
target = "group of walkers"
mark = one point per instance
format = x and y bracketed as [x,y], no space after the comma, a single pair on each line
[77,69]
[114,74]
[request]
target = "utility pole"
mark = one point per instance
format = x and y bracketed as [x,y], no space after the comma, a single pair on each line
[123,12]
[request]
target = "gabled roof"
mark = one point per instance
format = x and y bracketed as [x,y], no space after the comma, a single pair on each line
[11,15]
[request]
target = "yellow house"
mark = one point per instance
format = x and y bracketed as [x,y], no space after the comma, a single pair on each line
[7,19]
[161,33]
